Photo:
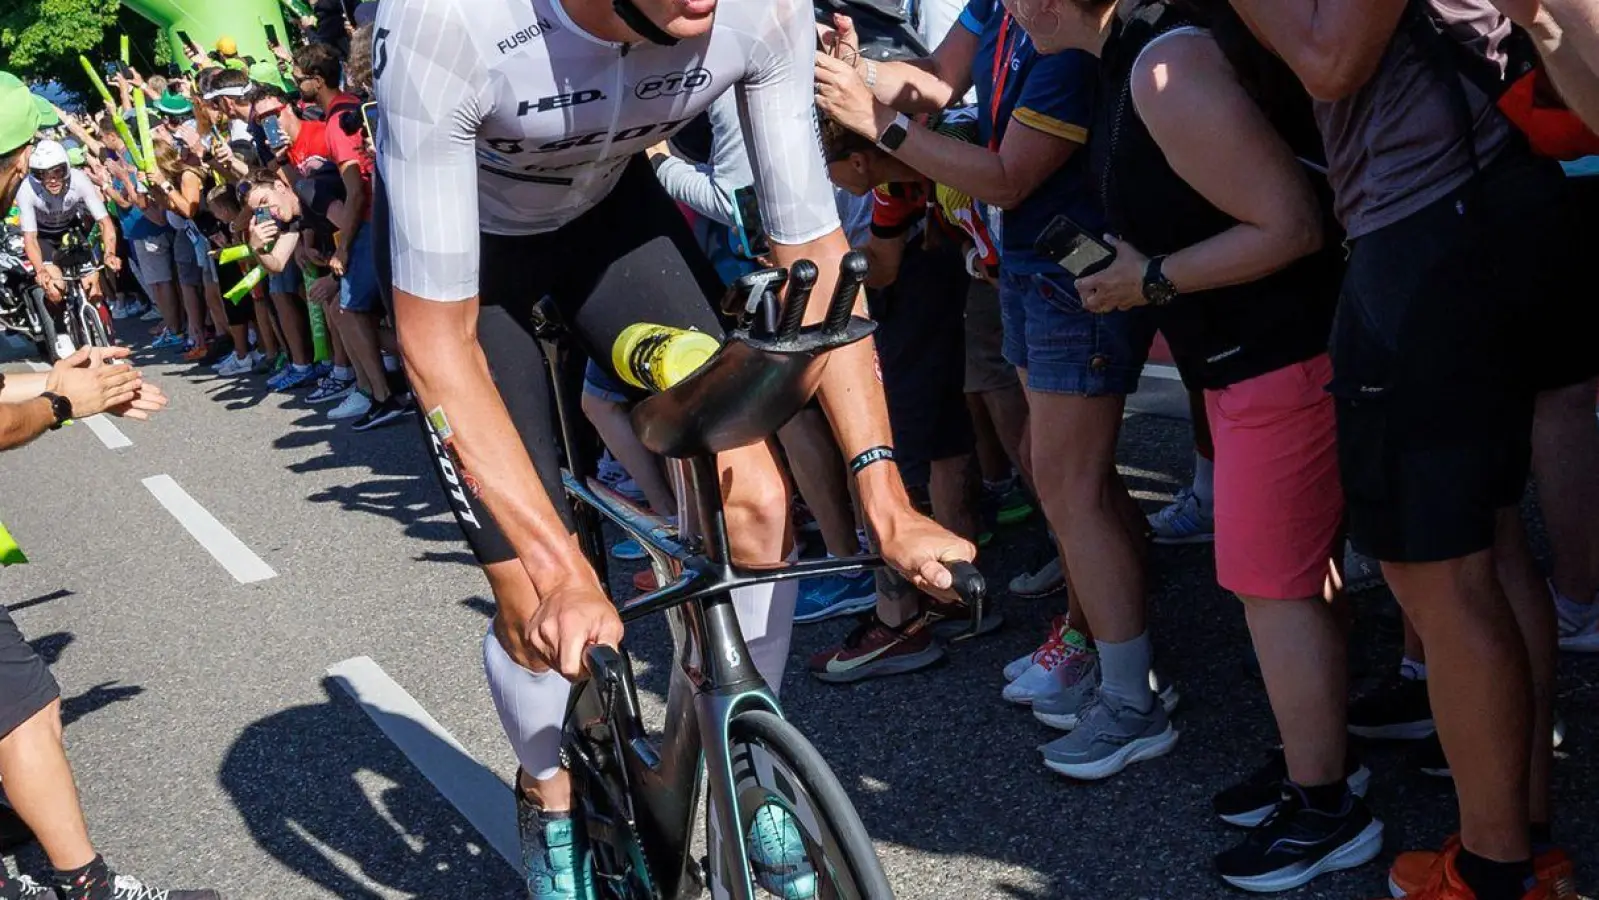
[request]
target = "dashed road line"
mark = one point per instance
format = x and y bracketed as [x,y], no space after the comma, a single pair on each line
[225,547]
[480,796]
[1165,373]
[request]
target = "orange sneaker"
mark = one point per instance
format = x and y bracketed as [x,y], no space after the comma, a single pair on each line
[1443,881]
[197,353]
[1411,871]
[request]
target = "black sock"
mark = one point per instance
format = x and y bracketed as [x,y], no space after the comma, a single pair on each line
[9,889]
[1324,798]
[1543,839]
[92,882]
[1491,880]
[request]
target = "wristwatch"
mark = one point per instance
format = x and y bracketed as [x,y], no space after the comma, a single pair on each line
[60,407]
[1158,289]
[894,134]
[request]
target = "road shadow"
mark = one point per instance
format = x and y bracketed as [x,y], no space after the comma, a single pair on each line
[50,648]
[329,796]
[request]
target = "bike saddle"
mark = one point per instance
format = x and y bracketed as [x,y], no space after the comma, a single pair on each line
[765,371]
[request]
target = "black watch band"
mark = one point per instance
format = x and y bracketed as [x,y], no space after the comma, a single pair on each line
[60,407]
[1158,289]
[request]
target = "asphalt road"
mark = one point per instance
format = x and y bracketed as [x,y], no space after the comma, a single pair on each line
[212,748]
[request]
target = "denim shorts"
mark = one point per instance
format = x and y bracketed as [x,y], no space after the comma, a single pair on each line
[358,289]
[1065,348]
[287,281]
[602,385]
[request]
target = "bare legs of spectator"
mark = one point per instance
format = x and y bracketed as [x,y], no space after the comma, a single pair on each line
[194,313]
[360,334]
[999,418]
[1565,463]
[219,319]
[1535,617]
[39,786]
[341,356]
[296,331]
[1304,662]
[166,300]
[1480,685]
[610,419]
[819,475]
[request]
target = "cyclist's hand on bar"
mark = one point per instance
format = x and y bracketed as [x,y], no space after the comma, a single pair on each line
[567,621]
[918,548]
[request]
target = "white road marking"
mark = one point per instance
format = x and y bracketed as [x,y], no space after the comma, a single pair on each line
[1165,373]
[240,561]
[482,798]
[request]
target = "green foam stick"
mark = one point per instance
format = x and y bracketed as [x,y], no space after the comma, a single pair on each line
[124,49]
[10,553]
[116,120]
[236,293]
[319,325]
[146,143]
[233,254]
[295,7]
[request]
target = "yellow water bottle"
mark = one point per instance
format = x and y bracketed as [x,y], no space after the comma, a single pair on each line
[655,357]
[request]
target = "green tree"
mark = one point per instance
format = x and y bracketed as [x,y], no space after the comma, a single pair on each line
[40,39]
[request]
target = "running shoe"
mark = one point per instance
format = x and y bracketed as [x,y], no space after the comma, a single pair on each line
[64,347]
[165,340]
[1396,710]
[1046,582]
[1248,803]
[874,650]
[628,549]
[1296,843]
[777,855]
[382,413]
[292,377]
[28,889]
[1183,521]
[1443,881]
[323,368]
[233,365]
[330,388]
[1361,572]
[1062,710]
[609,471]
[1579,624]
[949,618]
[1059,665]
[1413,869]
[1108,738]
[197,352]
[554,860]
[355,405]
[151,315]
[1016,667]
[831,596]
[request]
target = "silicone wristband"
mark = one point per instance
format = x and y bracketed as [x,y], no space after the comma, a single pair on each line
[869,456]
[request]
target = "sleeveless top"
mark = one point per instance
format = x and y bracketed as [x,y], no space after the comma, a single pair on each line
[1225,335]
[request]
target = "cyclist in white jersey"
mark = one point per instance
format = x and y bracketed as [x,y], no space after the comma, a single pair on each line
[54,200]
[511,167]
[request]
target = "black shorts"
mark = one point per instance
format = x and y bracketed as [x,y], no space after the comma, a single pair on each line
[921,350]
[26,685]
[1434,374]
[630,259]
[1562,324]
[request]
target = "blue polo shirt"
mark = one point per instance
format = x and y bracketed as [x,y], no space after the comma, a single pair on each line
[1052,93]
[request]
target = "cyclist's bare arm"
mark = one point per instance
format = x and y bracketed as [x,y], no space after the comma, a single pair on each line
[914,86]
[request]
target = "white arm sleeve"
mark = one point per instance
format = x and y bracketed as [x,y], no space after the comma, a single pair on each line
[777,104]
[431,96]
[92,199]
[27,215]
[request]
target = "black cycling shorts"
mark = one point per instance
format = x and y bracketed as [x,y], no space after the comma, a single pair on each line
[921,345]
[26,685]
[1434,372]
[630,259]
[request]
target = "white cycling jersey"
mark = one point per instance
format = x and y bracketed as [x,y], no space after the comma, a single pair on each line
[502,116]
[40,210]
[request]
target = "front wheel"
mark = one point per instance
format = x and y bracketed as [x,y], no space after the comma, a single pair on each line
[791,805]
[91,327]
[44,338]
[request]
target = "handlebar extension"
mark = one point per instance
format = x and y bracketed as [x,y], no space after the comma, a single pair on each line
[851,275]
[801,280]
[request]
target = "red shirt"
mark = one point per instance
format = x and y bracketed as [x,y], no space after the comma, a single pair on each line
[345,146]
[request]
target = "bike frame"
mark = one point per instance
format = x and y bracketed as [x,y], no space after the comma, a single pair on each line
[712,678]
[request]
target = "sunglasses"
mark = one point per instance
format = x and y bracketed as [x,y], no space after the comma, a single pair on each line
[59,172]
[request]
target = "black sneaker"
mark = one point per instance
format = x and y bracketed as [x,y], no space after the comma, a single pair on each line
[381,413]
[1429,758]
[1295,844]
[1397,710]
[28,889]
[1249,802]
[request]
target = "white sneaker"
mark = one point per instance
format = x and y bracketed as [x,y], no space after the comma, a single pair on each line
[1056,666]
[1015,668]
[235,365]
[354,406]
[64,347]
[1578,622]
[610,472]
[152,314]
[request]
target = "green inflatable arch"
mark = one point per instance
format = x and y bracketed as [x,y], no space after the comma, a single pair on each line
[204,21]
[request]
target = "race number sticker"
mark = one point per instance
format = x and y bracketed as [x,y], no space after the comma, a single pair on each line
[441,425]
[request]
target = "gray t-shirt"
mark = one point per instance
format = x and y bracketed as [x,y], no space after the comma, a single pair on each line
[1395,146]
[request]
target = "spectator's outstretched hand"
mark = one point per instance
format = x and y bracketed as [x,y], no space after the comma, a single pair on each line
[95,380]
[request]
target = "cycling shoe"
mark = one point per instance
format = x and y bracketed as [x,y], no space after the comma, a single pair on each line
[777,855]
[554,860]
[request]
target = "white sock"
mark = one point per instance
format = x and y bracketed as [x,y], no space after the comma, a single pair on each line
[1204,486]
[1413,669]
[343,373]
[766,616]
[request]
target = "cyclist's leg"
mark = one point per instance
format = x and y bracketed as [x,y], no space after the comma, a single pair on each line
[655,272]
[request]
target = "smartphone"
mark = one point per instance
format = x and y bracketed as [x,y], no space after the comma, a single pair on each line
[749,233]
[366,120]
[188,43]
[1074,247]
[262,214]
[274,134]
[271,35]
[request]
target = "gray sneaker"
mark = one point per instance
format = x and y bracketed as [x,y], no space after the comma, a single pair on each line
[1046,582]
[1108,738]
[1060,707]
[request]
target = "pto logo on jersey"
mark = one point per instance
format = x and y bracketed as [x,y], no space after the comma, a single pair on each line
[560,101]
[672,84]
[517,39]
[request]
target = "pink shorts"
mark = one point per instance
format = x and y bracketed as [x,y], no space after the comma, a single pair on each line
[1279,506]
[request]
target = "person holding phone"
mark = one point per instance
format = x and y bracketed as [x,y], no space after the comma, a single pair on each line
[1077,366]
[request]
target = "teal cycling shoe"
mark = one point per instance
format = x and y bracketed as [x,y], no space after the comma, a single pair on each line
[553,859]
[777,855]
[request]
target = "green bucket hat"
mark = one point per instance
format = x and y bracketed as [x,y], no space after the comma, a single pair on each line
[47,113]
[76,156]
[174,105]
[19,117]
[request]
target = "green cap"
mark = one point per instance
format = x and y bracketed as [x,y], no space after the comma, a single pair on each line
[174,105]
[266,72]
[47,113]
[19,118]
[75,156]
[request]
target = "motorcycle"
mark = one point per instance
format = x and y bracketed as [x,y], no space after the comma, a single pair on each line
[22,308]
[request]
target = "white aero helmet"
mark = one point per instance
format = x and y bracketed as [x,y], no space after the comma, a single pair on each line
[47,155]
